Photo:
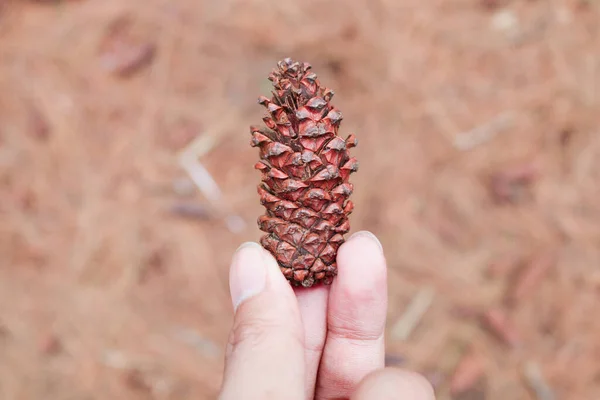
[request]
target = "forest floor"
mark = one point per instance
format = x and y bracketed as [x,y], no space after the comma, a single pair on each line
[479,147]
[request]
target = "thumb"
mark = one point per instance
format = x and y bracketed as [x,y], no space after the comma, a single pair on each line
[393,383]
[265,353]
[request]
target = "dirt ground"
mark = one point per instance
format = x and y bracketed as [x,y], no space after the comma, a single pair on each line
[479,147]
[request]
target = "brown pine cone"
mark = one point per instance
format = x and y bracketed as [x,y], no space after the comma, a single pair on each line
[305,169]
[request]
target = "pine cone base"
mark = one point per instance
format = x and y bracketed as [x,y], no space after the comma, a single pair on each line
[305,168]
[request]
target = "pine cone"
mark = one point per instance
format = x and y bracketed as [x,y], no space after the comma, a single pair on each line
[305,169]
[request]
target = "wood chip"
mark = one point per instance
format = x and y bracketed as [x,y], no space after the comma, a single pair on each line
[498,323]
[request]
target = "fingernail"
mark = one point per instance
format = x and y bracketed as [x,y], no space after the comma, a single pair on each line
[367,235]
[248,273]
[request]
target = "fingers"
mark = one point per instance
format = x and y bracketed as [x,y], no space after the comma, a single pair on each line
[265,354]
[313,309]
[357,313]
[391,383]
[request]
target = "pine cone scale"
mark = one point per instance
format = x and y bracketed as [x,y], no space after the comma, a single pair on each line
[305,168]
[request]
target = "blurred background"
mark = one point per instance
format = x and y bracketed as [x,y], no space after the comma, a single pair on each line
[127,181]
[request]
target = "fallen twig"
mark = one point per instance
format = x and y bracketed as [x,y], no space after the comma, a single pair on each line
[192,338]
[531,276]
[188,159]
[481,134]
[198,147]
[183,187]
[415,311]
[201,177]
[537,383]
[467,373]
[191,211]
[498,323]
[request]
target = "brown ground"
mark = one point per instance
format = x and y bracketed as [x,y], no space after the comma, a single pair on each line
[109,290]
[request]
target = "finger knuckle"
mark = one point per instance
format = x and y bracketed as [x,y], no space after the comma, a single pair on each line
[356,329]
[256,331]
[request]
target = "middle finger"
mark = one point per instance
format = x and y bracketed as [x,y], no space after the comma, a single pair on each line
[312,303]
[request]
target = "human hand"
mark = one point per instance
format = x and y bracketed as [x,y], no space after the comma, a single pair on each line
[324,342]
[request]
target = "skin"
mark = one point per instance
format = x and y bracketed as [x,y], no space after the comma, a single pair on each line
[324,343]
